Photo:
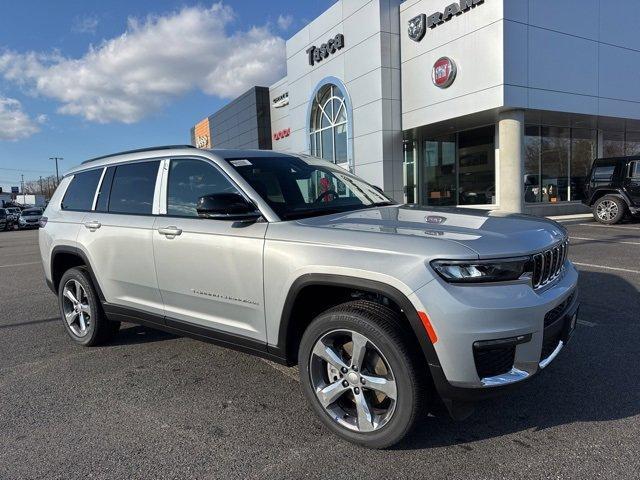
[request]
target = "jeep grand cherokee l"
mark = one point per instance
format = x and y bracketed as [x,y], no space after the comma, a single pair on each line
[294,259]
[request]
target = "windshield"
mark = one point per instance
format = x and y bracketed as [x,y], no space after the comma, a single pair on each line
[298,187]
[28,213]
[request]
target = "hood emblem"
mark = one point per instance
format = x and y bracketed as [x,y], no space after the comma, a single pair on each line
[435,219]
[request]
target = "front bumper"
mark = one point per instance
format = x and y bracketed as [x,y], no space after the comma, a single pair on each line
[467,318]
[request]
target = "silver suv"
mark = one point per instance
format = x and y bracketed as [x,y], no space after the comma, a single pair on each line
[388,310]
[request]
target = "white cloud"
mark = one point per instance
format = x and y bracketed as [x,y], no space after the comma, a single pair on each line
[154,61]
[285,21]
[85,24]
[15,124]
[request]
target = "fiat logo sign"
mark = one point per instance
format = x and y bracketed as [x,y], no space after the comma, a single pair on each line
[444,72]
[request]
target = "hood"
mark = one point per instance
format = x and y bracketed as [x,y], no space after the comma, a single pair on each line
[489,234]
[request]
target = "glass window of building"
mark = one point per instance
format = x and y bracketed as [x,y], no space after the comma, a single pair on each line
[439,178]
[409,171]
[554,162]
[632,144]
[477,167]
[584,149]
[532,188]
[557,161]
[612,144]
[452,169]
[328,126]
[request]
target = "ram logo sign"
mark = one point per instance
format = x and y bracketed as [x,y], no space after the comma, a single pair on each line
[419,24]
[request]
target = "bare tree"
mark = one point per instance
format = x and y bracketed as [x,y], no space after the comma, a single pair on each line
[43,186]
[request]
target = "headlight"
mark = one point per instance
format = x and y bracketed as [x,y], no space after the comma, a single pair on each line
[21,221]
[477,271]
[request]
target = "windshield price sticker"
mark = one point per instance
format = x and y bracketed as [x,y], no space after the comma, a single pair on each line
[241,163]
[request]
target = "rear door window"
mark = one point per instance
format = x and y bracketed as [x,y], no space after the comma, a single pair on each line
[133,187]
[102,204]
[81,191]
[634,169]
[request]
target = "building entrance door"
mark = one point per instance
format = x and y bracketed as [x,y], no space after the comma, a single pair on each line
[439,178]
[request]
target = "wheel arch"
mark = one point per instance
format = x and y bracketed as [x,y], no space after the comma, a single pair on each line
[290,331]
[64,257]
[597,195]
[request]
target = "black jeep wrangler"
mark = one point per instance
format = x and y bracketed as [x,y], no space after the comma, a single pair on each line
[612,189]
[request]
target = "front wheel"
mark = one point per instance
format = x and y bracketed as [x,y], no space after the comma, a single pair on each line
[361,375]
[609,210]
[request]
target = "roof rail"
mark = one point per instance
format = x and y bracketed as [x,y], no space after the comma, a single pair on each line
[139,150]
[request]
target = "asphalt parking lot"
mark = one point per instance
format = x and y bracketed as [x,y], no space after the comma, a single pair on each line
[152,405]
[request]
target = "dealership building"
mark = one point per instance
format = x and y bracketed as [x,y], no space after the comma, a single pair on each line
[491,104]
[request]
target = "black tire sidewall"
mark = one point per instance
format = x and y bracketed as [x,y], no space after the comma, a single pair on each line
[622,208]
[404,414]
[82,277]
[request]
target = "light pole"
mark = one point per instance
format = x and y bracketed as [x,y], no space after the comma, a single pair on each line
[57,175]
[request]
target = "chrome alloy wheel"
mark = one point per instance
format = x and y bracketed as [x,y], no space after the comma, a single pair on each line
[76,309]
[607,210]
[353,381]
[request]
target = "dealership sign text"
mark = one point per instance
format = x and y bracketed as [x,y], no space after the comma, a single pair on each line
[317,54]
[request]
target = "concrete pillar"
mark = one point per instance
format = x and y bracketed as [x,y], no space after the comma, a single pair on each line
[511,160]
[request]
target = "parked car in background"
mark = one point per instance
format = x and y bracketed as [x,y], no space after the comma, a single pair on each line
[612,189]
[4,222]
[13,214]
[30,218]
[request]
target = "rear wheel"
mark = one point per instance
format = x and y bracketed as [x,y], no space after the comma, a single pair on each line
[360,374]
[81,311]
[609,210]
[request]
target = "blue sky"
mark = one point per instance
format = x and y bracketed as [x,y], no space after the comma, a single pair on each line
[85,78]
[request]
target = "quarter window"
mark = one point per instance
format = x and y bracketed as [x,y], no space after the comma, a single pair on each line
[604,173]
[634,170]
[188,181]
[82,189]
[133,188]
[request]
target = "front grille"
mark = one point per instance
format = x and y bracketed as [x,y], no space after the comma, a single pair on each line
[548,265]
[494,361]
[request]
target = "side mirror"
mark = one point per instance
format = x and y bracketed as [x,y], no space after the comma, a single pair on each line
[226,206]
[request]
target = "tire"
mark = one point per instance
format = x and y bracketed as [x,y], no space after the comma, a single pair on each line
[609,210]
[387,341]
[89,313]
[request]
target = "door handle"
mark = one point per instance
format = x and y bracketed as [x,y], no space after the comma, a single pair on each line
[170,232]
[93,226]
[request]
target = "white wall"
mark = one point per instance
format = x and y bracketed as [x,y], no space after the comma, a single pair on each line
[474,41]
[572,56]
[579,56]
[369,66]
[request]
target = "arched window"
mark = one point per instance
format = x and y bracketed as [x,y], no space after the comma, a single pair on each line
[329,124]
